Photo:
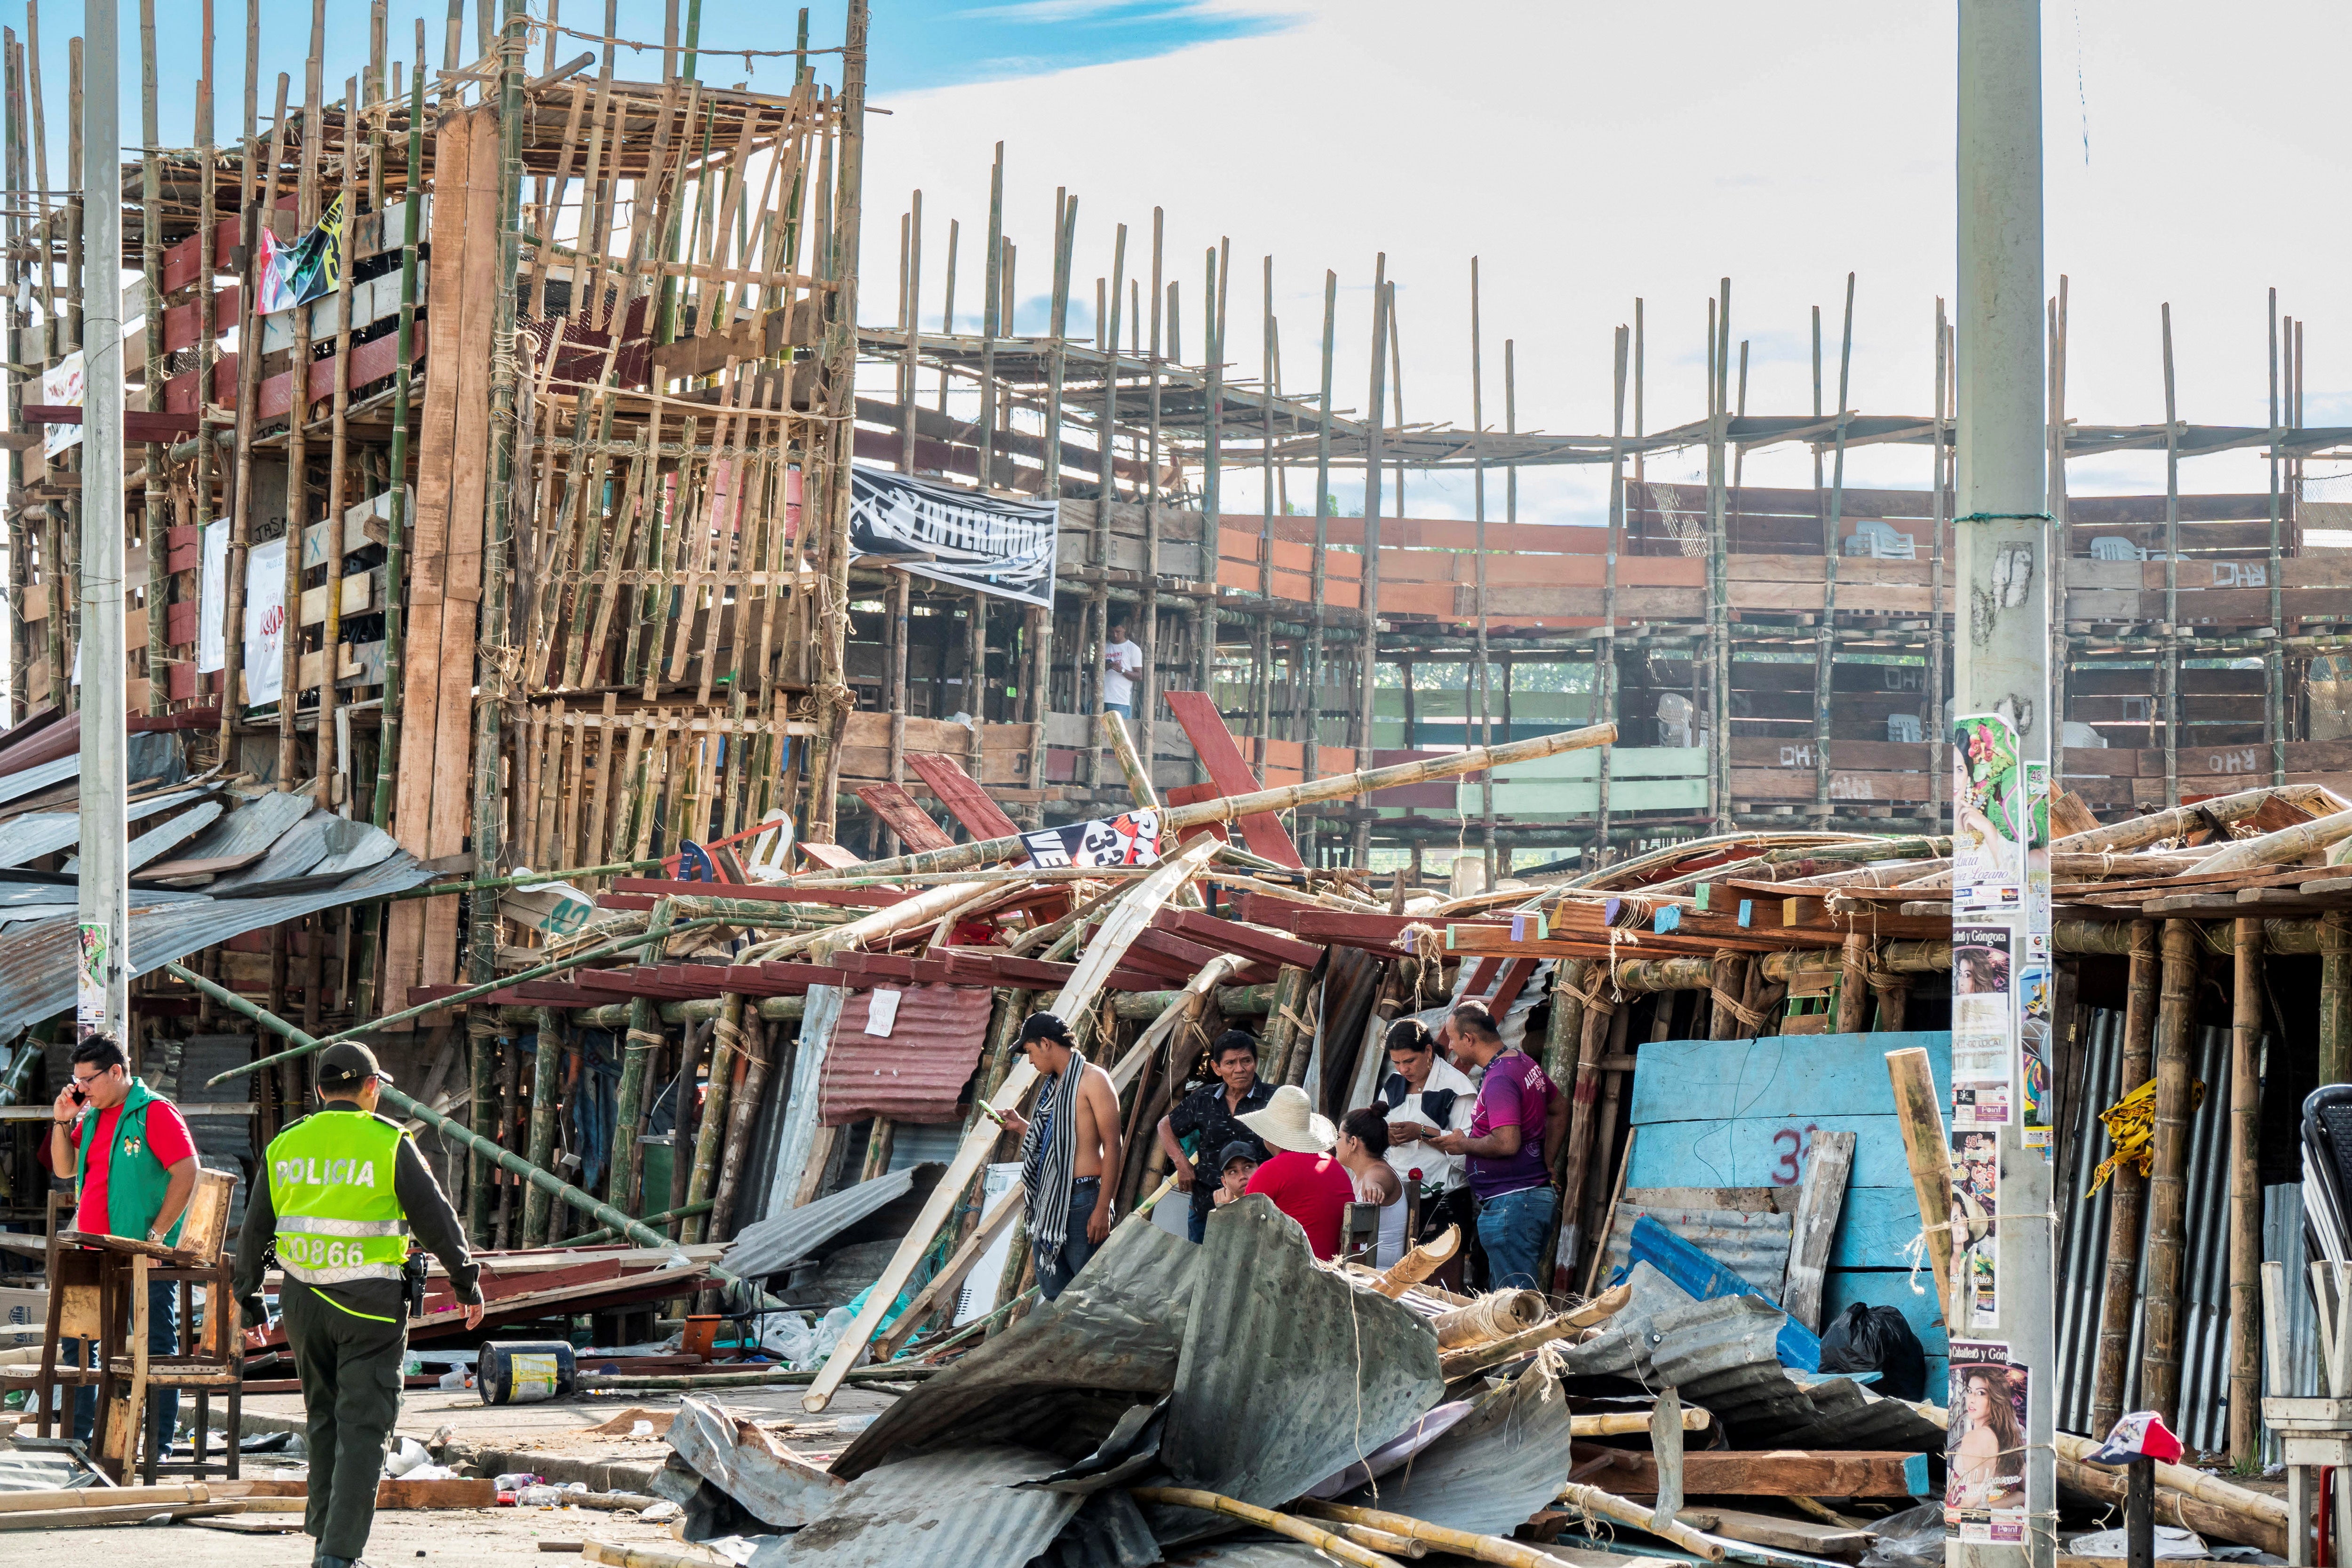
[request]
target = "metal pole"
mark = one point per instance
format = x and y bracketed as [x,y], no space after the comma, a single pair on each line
[102,999]
[2002,542]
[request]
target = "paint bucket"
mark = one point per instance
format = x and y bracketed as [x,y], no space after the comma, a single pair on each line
[525,1374]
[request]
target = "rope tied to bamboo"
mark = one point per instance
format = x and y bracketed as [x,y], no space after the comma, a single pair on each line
[1424,942]
[645,1041]
[1751,1017]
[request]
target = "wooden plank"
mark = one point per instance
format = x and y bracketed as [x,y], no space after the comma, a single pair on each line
[901,814]
[1814,1538]
[1230,773]
[1778,1472]
[966,801]
[1819,1201]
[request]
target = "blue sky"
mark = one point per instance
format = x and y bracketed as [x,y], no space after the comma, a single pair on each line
[918,45]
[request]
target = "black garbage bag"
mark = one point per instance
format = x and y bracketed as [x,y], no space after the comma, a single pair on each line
[1877,1338]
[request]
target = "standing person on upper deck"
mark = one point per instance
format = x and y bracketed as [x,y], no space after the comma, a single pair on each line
[1066,1154]
[1122,662]
[1213,1115]
[1513,1141]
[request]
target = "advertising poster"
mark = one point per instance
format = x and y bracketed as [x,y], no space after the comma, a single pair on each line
[1989,817]
[1130,838]
[1984,1446]
[62,387]
[265,622]
[211,600]
[1984,1026]
[90,981]
[2037,861]
[2038,1115]
[1975,1225]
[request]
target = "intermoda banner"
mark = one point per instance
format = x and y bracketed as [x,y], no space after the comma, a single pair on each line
[944,531]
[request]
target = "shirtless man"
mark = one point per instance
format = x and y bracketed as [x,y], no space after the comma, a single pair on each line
[1065,1153]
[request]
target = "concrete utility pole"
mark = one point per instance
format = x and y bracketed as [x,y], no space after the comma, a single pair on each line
[102,998]
[2000,1314]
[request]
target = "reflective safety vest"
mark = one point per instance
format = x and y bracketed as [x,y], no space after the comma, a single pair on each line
[331,1183]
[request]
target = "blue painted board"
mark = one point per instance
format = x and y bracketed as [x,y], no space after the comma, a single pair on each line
[1781,1077]
[1762,1151]
[1704,1279]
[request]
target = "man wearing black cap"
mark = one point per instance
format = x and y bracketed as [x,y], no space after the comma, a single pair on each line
[341,1183]
[1066,1154]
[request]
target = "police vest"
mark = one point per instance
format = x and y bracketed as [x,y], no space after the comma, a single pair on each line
[331,1183]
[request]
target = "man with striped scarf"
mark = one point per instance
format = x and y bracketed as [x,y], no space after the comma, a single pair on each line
[1066,1154]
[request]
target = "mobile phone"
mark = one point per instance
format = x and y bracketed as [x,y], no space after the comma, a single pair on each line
[80,1095]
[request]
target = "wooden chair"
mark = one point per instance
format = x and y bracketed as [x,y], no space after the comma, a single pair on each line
[97,1292]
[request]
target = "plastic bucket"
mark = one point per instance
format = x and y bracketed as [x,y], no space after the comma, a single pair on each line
[525,1374]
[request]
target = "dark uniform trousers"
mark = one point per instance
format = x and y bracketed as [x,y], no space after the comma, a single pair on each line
[350,1372]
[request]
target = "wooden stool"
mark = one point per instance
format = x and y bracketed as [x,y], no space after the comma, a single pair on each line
[98,1293]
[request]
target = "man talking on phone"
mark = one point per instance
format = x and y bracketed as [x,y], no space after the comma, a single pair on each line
[133,1165]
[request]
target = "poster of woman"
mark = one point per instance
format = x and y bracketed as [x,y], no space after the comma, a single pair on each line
[1984,1497]
[1989,819]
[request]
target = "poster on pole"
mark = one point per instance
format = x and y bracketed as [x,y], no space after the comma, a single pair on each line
[1989,817]
[1984,1444]
[1976,1226]
[211,600]
[995,543]
[265,622]
[1984,1026]
[2038,1115]
[2037,862]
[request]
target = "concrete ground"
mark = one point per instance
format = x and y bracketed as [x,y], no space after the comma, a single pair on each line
[556,1440]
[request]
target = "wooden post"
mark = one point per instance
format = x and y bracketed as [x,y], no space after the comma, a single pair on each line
[546,1080]
[1919,1110]
[1576,1152]
[1853,986]
[2120,1298]
[1369,599]
[2336,998]
[643,1037]
[1283,1036]
[1478,554]
[2246,1197]
[2160,1377]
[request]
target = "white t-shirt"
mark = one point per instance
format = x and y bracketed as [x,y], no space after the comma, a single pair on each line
[1125,662]
[1437,1168]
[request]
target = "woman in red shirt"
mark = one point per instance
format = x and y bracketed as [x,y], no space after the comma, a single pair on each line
[1303,1178]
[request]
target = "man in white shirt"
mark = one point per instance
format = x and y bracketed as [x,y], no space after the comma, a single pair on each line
[1122,662]
[1421,1095]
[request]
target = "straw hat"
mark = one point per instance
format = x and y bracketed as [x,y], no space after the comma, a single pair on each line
[1289,1122]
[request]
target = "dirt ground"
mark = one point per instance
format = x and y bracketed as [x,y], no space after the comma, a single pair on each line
[554,1439]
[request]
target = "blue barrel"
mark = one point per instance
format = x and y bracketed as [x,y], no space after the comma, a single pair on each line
[525,1372]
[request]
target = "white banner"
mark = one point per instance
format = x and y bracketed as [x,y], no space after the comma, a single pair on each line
[996,544]
[265,622]
[212,604]
[62,387]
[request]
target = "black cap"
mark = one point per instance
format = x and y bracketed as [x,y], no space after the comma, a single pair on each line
[1044,1026]
[346,1065]
[1241,1149]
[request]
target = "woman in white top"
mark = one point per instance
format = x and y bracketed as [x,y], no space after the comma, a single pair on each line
[1424,1094]
[1362,1149]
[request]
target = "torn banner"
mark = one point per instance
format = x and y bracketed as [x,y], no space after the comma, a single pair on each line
[1130,838]
[305,269]
[974,539]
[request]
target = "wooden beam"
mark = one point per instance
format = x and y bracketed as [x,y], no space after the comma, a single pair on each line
[1778,1472]
[1820,1200]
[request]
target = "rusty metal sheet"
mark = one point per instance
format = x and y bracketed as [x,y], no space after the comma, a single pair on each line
[776,1487]
[918,1071]
[775,1244]
[1490,1472]
[957,1505]
[1290,1371]
[1112,1340]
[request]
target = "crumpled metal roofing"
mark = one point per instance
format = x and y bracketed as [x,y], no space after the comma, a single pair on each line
[1109,1531]
[1493,1470]
[1119,1327]
[39,833]
[1753,1245]
[958,1506]
[257,824]
[915,1074]
[745,1466]
[1290,1371]
[36,961]
[776,1243]
[1723,1354]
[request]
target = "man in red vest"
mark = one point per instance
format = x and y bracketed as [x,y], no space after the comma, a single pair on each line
[133,1165]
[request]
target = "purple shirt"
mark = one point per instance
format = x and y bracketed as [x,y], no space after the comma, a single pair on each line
[1515,1093]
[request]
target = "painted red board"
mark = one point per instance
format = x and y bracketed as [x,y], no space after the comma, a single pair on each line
[917,1073]
[180,622]
[1516,976]
[1229,771]
[803,975]
[904,816]
[371,362]
[181,323]
[184,260]
[957,790]
[832,857]
[1232,936]
[1482,975]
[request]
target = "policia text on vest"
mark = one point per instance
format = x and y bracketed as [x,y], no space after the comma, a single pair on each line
[346,1190]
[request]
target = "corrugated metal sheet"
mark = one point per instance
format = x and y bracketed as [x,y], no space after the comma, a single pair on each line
[740,1460]
[34,779]
[293,853]
[777,1243]
[37,962]
[39,833]
[1120,1327]
[918,1072]
[1289,1372]
[257,824]
[1108,1532]
[1753,1245]
[353,847]
[1490,1472]
[796,1127]
[959,1506]
[915,1143]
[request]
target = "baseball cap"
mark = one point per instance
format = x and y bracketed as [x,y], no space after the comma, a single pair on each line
[1044,1026]
[1241,1149]
[347,1063]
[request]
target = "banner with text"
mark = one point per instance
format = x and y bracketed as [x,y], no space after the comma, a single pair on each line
[974,539]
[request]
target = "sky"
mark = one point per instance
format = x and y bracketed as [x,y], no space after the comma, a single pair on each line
[1588,154]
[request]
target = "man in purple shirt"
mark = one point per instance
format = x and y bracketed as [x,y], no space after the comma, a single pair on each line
[1513,1138]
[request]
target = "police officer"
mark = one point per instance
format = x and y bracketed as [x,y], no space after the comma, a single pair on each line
[340,1183]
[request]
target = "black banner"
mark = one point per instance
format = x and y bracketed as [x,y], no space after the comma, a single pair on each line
[969,538]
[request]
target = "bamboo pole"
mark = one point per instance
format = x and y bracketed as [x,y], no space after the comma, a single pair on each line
[726,1047]
[2167,1189]
[1853,986]
[1226,808]
[297,418]
[1297,1529]
[1369,578]
[1459,1542]
[641,1040]
[1919,1110]
[2246,1198]
[742,1117]
[546,1075]
[1616,1509]
[2335,997]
